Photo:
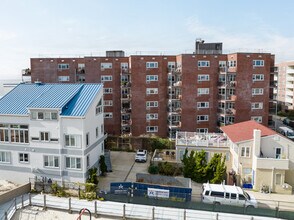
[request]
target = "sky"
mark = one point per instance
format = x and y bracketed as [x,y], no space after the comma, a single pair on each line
[72,28]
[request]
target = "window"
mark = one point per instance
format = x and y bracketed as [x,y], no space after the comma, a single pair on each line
[107,90]
[257,63]
[153,116]
[278,179]
[278,152]
[245,152]
[150,65]
[202,130]
[51,161]
[150,78]
[14,133]
[232,63]
[63,78]
[73,162]
[257,77]
[97,132]
[151,104]
[241,197]
[106,78]
[257,105]
[107,114]
[88,160]
[202,117]
[43,115]
[5,157]
[171,65]
[202,104]
[150,91]
[202,91]
[63,66]
[257,91]
[222,63]
[72,140]
[108,103]
[152,129]
[124,66]
[258,119]
[99,107]
[217,194]
[203,77]
[87,139]
[233,196]
[44,136]
[102,129]
[23,158]
[203,63]
[106,66]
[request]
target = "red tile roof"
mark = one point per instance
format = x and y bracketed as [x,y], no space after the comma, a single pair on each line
[244,131]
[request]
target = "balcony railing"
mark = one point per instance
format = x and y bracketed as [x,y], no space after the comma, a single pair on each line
[269,163]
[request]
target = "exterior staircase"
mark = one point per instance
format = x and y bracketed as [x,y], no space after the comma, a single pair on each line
[108,160]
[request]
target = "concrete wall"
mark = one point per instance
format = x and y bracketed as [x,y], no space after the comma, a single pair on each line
[8,196]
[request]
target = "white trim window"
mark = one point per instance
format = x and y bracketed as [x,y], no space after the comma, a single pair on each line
[72,140]
[203,77]
[108,115]
[63,66]
[257,91]
[23,158]
[73,163]
[202,130]
[106,78]
[44,136]
[51,161]
[151,78]
[258,119]
[245,151]
[151,104]
[15,133]
[43,115]
[203,63]
[202,104]
[256,105]
[257,63]
[108,103]
[232,63]
[151,91]
[151,65]
[150,129]
[124,66]
[202,91]
[5,157]
[107,90]
[222,63]
[202,118]
[63,78]
[257,77]
[99,107]
[106,66]
[152,116]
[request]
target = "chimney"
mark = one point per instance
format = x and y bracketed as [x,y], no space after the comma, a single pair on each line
[256,142]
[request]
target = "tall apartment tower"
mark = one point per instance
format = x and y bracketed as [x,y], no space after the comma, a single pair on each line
[145,95]
[285,91]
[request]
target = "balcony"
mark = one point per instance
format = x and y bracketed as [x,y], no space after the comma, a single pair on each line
[80,71]
[178,84]
[126,122]
[270,163]
[232,98]
[126,96]
[223,70]
[174,124]
[175,97]
[125,84]
[126,110]
[125,71]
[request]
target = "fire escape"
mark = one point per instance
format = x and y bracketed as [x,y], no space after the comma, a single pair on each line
[126,108]
[174,100]
[226,97]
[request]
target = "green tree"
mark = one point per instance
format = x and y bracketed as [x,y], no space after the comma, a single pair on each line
[103,167]
[199,174]
[211,166]
[220,170]
[189,164]
[92,176]
[160,143]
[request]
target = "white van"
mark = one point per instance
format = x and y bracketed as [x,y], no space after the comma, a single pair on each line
[288,132]
[227,195]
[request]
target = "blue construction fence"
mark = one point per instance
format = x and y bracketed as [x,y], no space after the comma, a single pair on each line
[151,191]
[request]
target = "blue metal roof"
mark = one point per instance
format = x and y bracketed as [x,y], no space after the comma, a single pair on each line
[73,99]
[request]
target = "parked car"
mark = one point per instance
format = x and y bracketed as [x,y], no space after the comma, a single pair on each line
[141,156]
[227,195]
[288,132]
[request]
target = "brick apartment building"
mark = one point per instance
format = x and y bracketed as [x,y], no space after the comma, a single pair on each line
[164,94]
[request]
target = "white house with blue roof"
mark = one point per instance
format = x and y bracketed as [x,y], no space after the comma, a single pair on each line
[51,130]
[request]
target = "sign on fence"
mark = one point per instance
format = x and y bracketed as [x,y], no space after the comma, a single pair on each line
[157,193]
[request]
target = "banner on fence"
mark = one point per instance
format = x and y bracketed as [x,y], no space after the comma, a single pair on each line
[157,193]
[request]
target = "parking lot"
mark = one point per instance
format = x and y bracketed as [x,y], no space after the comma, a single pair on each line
[124,169]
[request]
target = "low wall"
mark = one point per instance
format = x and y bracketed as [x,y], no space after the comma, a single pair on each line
[8,196]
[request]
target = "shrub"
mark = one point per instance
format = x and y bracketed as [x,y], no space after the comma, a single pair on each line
[153,169]
[90,187]
[103,167]
[92,178]
[166,169]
